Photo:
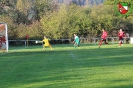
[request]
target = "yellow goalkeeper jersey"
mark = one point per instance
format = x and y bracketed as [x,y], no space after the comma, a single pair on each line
[46,42]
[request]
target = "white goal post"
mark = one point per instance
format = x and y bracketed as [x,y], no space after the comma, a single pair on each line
[131,40]
[3,37]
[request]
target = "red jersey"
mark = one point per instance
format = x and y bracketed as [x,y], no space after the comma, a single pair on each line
[121,34]
[104,35]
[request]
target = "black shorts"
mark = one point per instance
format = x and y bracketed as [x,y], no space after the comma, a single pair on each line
[103,39]
[121,39]
[127,39]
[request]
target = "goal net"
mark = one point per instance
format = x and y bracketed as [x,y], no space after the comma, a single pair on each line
[3,37]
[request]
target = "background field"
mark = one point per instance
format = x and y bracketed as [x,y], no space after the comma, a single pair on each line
[66,67]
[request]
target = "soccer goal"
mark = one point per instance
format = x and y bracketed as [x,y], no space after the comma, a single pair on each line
[3,37]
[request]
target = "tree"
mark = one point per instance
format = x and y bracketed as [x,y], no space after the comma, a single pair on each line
[42,7]
[22,8]
[64,22]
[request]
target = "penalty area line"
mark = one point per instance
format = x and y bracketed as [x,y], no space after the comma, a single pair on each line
[71,53]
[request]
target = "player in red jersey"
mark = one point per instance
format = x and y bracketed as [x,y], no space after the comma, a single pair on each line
[103,38]
[121,34]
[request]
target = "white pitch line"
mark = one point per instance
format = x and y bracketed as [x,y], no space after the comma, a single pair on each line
[71,53]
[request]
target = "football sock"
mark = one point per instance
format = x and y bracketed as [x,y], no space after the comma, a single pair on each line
[100,43]
[120,43]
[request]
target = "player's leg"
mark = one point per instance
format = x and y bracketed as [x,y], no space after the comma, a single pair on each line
[100,42]
[105,42]
[127,41]
[120,42]
[50,47]
[78,45]
[75,45]
[43,46]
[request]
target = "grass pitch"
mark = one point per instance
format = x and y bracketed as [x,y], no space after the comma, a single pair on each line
[67,67]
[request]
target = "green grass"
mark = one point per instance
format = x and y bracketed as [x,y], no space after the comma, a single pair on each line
[66,67]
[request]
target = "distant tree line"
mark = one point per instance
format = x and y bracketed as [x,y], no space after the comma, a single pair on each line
[37,18]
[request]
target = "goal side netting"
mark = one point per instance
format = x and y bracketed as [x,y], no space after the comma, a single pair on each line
[3,37]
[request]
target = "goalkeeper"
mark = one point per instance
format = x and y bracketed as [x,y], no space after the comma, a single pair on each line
[46,43]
